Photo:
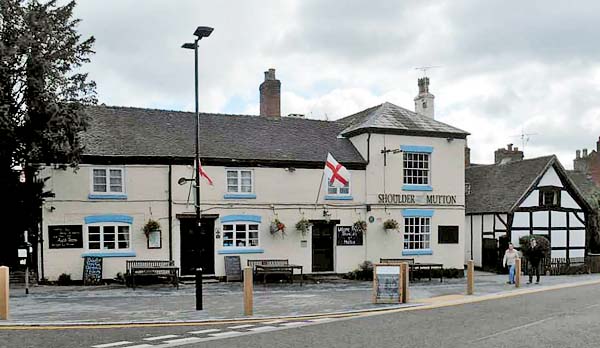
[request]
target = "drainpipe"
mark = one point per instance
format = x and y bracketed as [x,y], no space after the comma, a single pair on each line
[170,212]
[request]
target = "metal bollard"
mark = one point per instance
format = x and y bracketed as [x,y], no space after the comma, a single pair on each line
[470,277]
[198,289]
[4,293]
[248,292]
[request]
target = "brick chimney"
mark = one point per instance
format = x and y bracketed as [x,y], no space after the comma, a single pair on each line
[467,156]
[424,100]
[270,95]
[598,145]
[509,154]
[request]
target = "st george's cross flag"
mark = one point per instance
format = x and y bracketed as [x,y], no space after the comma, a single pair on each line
[204,175]
[337,175]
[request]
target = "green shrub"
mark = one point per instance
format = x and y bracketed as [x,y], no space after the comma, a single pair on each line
[363,272]
[542,242]
[64,279]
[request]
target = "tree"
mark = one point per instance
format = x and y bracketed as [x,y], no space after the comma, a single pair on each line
[43,97]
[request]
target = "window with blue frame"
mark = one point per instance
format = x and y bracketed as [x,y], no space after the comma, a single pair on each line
[240,234]
[417,233]
[107,181]
[416,168]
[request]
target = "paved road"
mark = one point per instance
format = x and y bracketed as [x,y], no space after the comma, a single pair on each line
[559,318]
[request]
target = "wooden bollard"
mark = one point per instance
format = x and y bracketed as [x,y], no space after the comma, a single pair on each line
[405,280]
[470,277]
[518,272]
[248,291]
[4,292]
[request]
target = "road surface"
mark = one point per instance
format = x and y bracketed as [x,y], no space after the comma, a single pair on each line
[557,318]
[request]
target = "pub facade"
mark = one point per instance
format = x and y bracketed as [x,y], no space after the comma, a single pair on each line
[267,175]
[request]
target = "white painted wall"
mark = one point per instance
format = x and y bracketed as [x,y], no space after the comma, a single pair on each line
[285,194]
[550,178]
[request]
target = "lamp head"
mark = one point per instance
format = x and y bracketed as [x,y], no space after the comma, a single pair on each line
[189,46]
[203,32]
[182,181]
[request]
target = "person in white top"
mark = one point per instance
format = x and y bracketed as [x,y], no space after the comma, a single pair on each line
[510,259]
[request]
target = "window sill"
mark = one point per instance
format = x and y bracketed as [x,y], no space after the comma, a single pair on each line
[239,196]
[240,250]
[417,252]
[107,197]
[338,198]
[417,188]
[109,254]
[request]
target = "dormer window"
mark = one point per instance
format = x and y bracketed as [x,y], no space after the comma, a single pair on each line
[550,197]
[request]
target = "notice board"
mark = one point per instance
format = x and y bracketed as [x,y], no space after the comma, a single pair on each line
[387,283]
[65,237]
[347,235]
[233,268]
[92,270]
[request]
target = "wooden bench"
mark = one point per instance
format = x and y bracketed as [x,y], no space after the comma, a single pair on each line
[409,261]
[273,269]
[418,268]
[155,268]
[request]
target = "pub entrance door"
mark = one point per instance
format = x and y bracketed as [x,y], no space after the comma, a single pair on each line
[322,246]
[194,242]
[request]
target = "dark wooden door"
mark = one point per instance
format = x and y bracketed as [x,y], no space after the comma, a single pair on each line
[322,247]
[197,247]
[490,255]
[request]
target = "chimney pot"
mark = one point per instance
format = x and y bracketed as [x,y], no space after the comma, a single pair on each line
[585,153]
[578,154]
[598,145]
[509,147]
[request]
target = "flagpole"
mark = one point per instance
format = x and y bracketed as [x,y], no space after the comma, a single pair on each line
[319,192]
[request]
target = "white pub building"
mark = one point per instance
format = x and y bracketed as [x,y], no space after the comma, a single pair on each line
[404,165]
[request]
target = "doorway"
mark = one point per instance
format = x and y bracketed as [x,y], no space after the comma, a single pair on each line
[194,243]
[322,246]
[490,255]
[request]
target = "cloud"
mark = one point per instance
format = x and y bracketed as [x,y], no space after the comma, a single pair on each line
[506,66]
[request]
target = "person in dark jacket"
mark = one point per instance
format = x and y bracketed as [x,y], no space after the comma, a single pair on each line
[534,256]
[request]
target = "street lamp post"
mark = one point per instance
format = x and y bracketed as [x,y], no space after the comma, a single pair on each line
[200,32]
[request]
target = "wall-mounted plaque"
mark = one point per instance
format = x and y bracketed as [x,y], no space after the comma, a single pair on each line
[65,237]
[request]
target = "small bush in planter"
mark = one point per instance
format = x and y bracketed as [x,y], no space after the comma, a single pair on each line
[390,224]
[151,225]
[64,279]
[360,226]
[302,226]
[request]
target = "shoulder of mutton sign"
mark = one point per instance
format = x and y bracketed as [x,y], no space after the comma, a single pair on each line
[408,199]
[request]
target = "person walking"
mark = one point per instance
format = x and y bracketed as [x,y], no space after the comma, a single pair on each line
[510,260]
[534,256]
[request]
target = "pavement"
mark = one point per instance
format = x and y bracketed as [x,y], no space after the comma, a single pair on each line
[561,315]
[153,304]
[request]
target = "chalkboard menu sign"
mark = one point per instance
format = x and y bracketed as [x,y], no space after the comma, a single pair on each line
[92,270]
[387,284]
[65,237]
[233,268]
[347,235]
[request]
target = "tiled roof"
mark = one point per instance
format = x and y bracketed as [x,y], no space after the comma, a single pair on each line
[136,132]
[496,188]
[390,118]
[585,184]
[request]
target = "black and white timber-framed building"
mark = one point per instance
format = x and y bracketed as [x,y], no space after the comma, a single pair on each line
[506,201]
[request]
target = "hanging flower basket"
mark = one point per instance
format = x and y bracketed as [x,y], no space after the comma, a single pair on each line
[277,226]
[360,226]
[390,225]
[303,226]
[151,225]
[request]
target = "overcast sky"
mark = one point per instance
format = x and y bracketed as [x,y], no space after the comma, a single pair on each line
[505,66]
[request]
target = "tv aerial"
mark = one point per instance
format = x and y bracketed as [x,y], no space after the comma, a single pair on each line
[424,69]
